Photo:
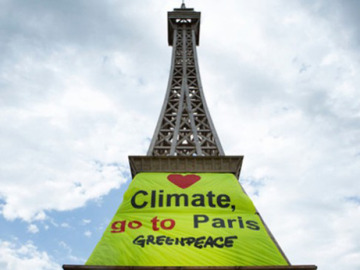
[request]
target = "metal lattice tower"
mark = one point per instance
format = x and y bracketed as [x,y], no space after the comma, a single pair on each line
[184,127]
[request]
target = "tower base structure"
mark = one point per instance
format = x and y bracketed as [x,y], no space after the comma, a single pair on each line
[186,164]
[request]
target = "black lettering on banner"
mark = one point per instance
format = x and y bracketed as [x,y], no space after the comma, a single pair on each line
[177,199]
[160,240]
[189,240]
[229,241]
[150,240]
[241,223]
[133,199]
[153,199]
[179,241]
[223,201]
[218,223]
[139,241]
[197,242]
[169,241]
[219,239]
[209,242]
[159,199]
[226,223]
[198,200]
[252,225]
[210,196]
[200,219]
[230,222]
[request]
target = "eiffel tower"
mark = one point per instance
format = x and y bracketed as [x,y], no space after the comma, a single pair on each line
[185,139]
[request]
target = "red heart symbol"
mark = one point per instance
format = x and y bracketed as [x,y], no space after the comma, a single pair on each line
[183,181]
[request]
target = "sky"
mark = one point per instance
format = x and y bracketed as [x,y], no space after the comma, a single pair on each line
[81,87]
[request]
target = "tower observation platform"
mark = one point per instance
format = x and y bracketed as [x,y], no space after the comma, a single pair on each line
[185,142]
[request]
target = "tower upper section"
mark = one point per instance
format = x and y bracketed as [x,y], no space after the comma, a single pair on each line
[184,127]
[180,16]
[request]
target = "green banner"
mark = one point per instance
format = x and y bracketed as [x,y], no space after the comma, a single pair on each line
[202,219]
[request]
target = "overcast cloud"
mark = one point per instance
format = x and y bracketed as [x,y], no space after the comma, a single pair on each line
[81,87]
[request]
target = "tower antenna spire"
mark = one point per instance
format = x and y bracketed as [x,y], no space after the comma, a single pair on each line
[183,4]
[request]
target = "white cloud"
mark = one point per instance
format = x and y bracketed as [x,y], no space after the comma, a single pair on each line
[65,156]
[67,122]
[26,256]
[65,225]
[70,257]
[32,228]
[88,233]
[86,221]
